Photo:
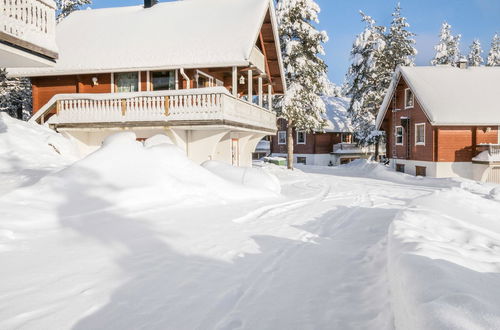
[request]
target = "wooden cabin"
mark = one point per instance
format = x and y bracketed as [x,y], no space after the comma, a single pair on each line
[158,69]
[332,146]
[439,119]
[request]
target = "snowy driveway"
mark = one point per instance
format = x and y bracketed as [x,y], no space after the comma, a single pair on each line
[315,258]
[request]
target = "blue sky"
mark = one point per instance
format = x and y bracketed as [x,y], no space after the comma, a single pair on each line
[340,18]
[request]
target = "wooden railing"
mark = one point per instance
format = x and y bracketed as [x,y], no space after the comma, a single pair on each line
[182,105]
[353,148]
[29,24]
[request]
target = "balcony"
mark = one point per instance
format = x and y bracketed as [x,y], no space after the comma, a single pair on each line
[189,107]
[353,148]
[27,33]
[487,154]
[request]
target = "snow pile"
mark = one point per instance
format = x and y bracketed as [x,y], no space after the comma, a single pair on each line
[29,151]
[257,178]
[124,174]
[444,263]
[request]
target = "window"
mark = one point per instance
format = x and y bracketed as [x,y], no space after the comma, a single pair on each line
[346,137]
[302,160]
[399,135]
[409,99]
[420,170]
[282,137]
[163,80]
[400,168]
[420,134]
[127,82]
[301,137]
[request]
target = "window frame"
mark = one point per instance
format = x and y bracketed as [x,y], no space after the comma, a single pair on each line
[412,99]
[115,79]
[402,135]
[297,137]
[284,138]
[416,134]
[151,80]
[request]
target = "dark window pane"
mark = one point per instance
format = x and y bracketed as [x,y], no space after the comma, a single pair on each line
[163,80]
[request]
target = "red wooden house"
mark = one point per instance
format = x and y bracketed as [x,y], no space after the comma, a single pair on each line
[186,69]
[332,146]
[437,119]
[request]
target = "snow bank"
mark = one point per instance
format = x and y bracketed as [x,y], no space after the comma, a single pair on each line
[29,151]
[124,173]
[257,178]
[444,263]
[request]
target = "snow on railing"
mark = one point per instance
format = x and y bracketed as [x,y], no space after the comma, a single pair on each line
[352,148]
[32,21]
[181,105]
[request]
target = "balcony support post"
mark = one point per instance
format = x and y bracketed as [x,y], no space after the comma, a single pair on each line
[250,86]
[261,101]
[235,81]
[270,96]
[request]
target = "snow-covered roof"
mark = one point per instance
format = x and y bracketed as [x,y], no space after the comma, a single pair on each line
[450,95]
[337,116]
[175,34]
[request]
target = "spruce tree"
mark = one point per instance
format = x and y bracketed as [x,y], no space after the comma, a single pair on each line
[475,57]
[400,48]
[15,96]
[305,72]
[447,51]
[66,7]
[362,83]
[494,54]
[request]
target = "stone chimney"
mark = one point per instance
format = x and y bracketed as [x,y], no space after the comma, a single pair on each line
[150,3]
[463,63]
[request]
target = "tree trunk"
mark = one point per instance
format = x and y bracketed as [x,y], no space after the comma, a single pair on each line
[377,143]
[289,142]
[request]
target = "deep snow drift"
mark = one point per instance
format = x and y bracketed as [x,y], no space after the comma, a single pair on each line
[136,236]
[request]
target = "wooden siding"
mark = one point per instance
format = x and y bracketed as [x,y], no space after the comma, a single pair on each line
[316,143]
[442,143]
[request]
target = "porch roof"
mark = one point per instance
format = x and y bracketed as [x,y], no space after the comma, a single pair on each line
[176,34]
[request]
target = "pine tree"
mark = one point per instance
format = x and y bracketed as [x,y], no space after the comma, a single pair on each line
[15,96]
[400,48]
[66,7]
[363,85]
[475,57]
[447,51]
[305,72]
[494,54]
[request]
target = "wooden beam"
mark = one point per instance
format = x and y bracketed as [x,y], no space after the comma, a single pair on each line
[264,51]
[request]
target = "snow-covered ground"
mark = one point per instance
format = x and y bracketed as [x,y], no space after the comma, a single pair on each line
[138,237]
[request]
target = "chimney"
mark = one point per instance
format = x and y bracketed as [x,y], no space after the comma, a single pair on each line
[463,63]
[150,3]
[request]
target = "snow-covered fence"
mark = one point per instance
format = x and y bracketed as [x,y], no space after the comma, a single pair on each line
[181,105]
[30,22]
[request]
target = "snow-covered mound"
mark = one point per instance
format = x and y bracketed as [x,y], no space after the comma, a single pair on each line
[444,260]
[124,173]
[29,151]
[251,177]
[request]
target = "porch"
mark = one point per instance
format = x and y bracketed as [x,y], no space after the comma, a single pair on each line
[207,123]
[27,33]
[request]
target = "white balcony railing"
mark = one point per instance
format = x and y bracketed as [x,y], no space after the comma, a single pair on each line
[353,148]
[32,22]
[206,104]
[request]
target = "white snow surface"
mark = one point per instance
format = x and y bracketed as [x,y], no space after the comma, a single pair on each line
[189,33]
[338,119]
[447,94]
[138,237]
